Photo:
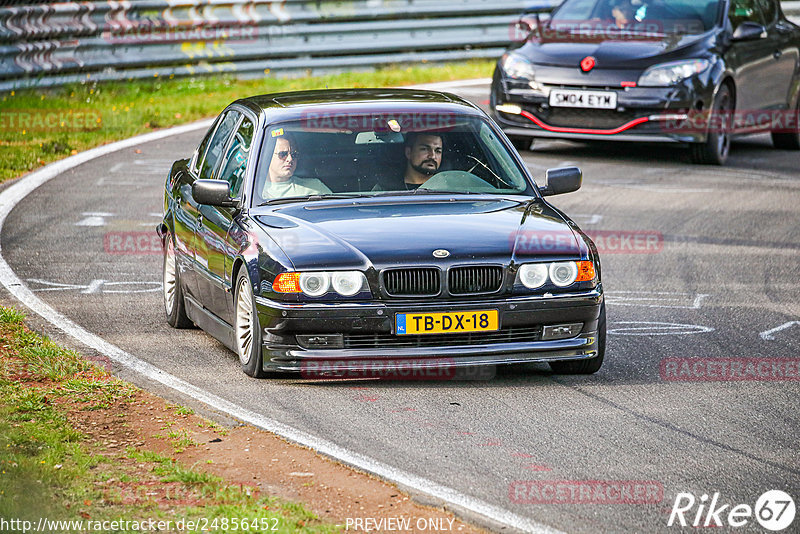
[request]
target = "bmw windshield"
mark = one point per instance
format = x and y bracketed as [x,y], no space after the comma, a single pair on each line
[343,155]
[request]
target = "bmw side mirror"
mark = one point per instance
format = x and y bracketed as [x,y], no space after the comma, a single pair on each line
[561,180]
[213,193]
[749,31]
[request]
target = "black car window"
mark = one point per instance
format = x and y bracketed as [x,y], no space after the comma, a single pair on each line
[744,11]
[769,10]
[577,10]
[217,144]
[201,150]
[612,17]
[340,152]
[237,156]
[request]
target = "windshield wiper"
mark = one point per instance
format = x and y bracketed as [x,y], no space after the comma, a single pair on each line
[425,191]
[442,192]
[303,198]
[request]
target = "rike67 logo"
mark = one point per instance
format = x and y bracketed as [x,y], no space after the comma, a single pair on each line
[774,511]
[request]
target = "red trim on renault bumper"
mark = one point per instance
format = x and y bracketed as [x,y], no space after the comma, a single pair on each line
[558,129]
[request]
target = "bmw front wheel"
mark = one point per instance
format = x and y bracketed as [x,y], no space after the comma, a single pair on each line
[592,365]
[174,305]
[247,328]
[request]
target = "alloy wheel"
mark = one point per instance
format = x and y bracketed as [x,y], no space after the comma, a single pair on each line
[244,320]
[170,278]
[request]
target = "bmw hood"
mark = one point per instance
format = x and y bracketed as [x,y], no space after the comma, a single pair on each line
[384,232]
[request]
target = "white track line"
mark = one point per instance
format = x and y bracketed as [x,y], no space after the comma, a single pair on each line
[14,194]
[767,334]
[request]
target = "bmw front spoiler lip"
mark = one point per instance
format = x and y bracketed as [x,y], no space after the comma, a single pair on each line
[577,348]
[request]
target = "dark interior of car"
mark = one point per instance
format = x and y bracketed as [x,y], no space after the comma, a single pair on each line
[347,166]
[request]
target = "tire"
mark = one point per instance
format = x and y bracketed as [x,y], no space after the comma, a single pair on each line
[789,140]
[718,145]
[521,142]
[591,366]
[174,304]
[246,327]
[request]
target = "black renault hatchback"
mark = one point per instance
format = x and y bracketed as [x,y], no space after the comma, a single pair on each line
[686,71]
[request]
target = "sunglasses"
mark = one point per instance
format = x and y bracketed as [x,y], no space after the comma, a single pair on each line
[283,154]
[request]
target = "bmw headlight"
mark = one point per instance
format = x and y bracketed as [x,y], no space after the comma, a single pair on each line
[517,67]
[533,275]
[667,74]
[563,273]
[318,283]
[560,274]
[314,284]
[347,283]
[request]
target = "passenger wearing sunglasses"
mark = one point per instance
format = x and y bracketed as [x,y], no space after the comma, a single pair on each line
[282,181]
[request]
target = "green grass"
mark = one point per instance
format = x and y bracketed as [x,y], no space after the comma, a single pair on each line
[181,410]
[48,469]
[181,440]
[41,126]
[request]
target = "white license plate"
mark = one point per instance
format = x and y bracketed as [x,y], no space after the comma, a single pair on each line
[567,98]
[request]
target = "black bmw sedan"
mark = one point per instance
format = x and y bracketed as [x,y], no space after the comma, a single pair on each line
[686,71]
[330,231]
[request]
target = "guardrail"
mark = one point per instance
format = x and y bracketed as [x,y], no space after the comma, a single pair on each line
[52,43]
[792,11]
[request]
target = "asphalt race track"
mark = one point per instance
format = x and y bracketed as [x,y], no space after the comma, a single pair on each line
[698,263]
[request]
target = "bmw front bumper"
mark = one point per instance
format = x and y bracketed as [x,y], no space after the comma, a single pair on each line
[292,333]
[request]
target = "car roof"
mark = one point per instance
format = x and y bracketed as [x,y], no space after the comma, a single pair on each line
[294,105]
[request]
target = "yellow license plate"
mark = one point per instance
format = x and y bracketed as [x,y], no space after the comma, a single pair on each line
[447,323]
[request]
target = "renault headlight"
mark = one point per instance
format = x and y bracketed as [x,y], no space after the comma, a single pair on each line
[517,67]
[667,74]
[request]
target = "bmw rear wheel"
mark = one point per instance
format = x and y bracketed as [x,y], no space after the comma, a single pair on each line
[247,329]
[718,143]
[174,305]
[592,365]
